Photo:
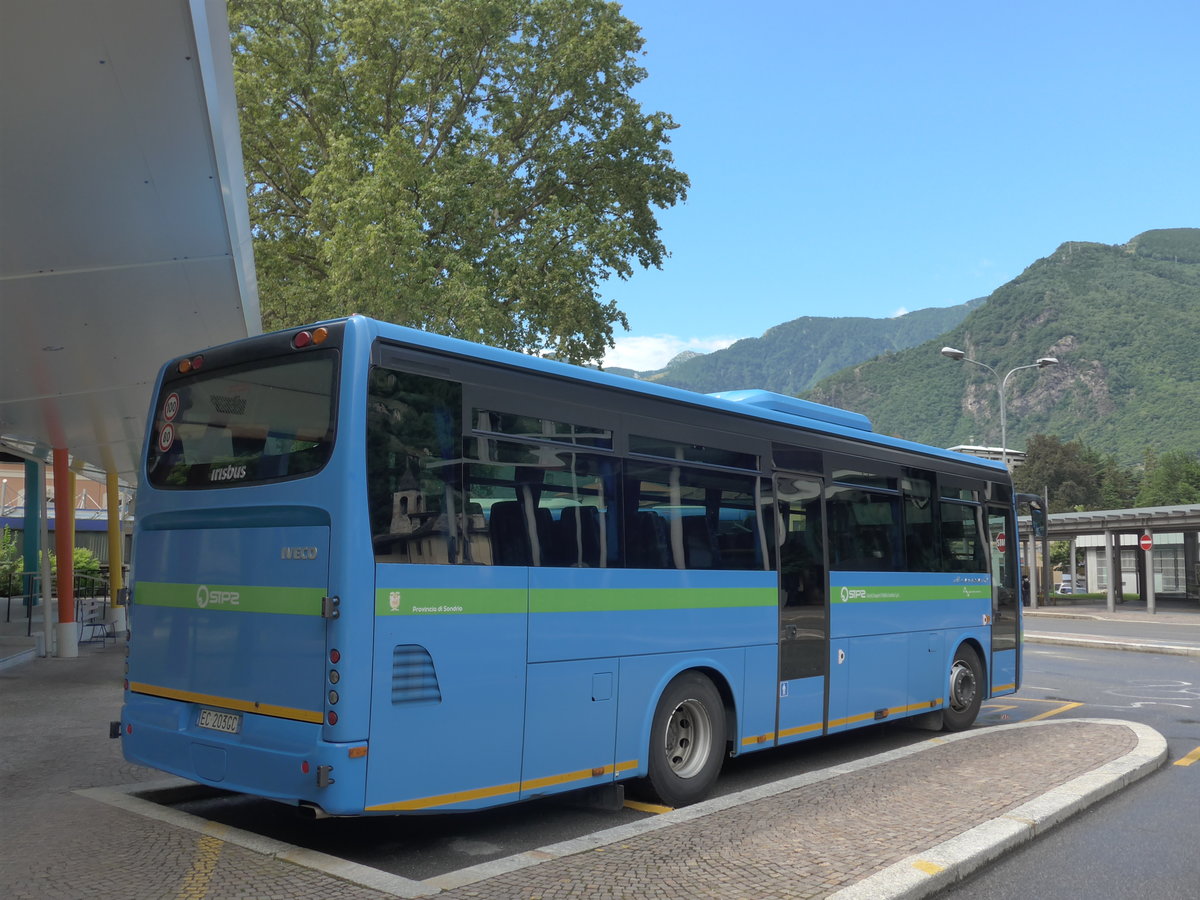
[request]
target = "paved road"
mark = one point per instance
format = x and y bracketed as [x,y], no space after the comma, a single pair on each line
[1142,842]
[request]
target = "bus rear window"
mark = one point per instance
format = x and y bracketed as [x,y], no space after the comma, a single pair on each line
[263,421]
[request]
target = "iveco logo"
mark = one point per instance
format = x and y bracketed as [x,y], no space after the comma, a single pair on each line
[298,553]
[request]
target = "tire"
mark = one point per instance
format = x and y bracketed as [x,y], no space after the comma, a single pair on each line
[966,690]
[687,740]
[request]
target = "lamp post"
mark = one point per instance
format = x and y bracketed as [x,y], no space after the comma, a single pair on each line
[1002,383]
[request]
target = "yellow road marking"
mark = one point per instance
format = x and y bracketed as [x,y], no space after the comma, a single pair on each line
[208,849]
[1054,712]
[647,807]
[1192,757]
[929,868]
[998,707]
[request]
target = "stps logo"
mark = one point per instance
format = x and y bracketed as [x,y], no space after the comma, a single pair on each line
[204,597]
[849,594]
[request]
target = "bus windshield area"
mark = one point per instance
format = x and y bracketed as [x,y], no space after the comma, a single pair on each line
[251,423]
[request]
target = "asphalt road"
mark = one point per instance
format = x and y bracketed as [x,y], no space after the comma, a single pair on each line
[1142,841]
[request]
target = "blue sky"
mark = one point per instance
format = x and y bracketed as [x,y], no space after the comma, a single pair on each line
[867,158]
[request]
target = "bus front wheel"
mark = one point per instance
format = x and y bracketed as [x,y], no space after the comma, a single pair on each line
[966,690]
[687,740]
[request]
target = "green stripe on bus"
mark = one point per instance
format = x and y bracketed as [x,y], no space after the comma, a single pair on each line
[230,597]
[449,601]
[599,600]
[898,593]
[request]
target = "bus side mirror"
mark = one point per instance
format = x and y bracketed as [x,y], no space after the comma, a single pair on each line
[1037,512]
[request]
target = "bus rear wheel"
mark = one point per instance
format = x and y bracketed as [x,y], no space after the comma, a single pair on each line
[966,690]
[687,740]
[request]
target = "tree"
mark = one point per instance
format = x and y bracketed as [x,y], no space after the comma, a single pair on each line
[1172,478]
[476,169]
[1070,471]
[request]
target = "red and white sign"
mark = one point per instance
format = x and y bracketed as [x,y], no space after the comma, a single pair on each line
[171,407]
[1147,542]
[1000,542]
[166,438]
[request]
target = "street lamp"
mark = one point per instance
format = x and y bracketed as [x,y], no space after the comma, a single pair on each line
[1002,383]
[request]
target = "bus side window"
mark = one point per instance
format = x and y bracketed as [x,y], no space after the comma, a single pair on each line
[414,433]
[962,538]
[864,530]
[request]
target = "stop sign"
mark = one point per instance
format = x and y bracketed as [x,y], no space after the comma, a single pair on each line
[1147,542]
[1000,539]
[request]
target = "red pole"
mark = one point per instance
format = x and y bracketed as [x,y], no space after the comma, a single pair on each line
[64,536]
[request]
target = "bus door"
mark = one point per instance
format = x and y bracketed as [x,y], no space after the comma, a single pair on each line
[1006,601]
[803,606]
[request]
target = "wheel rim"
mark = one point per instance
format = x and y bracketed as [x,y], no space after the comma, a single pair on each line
[688,738]
[962,686]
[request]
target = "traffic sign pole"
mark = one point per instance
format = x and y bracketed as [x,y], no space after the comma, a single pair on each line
[1146,542]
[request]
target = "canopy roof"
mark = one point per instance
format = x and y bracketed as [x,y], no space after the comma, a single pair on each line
[124,233]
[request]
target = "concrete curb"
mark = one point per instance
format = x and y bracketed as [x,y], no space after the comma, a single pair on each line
[1105,644]
[926,873]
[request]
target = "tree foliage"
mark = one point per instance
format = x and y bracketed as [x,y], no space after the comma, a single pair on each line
[1069,472]
[1172,478]
[476,169]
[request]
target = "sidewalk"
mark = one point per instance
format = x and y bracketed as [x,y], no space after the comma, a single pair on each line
[1125,628]
[902,824]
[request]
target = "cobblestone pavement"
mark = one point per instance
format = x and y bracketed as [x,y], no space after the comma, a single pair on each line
[858,822]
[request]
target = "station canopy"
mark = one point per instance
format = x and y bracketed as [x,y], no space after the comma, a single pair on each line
[124,232]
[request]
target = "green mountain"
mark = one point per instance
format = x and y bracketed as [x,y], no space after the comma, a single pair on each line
[792,357]
[1124,322]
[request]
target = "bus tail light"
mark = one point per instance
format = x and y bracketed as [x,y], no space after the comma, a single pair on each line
[301,340]
[192,364]
[335,656]
[333,717]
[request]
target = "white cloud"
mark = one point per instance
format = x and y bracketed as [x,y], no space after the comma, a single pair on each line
[655,351]
[902,311]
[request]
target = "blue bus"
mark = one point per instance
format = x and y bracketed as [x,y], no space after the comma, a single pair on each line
[377,570]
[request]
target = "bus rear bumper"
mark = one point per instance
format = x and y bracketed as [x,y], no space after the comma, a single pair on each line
[269,757]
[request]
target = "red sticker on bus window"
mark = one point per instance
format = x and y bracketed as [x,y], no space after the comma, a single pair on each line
[166,438]
[171,407]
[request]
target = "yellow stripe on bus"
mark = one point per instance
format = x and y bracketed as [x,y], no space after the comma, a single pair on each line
[1004,687]
[502,789]
[251,706]
[801,729]
[864,717]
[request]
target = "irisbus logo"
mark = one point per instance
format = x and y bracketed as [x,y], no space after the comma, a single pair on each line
[229,473]
[206,597]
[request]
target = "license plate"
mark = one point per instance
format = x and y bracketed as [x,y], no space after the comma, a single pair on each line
[214,719]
